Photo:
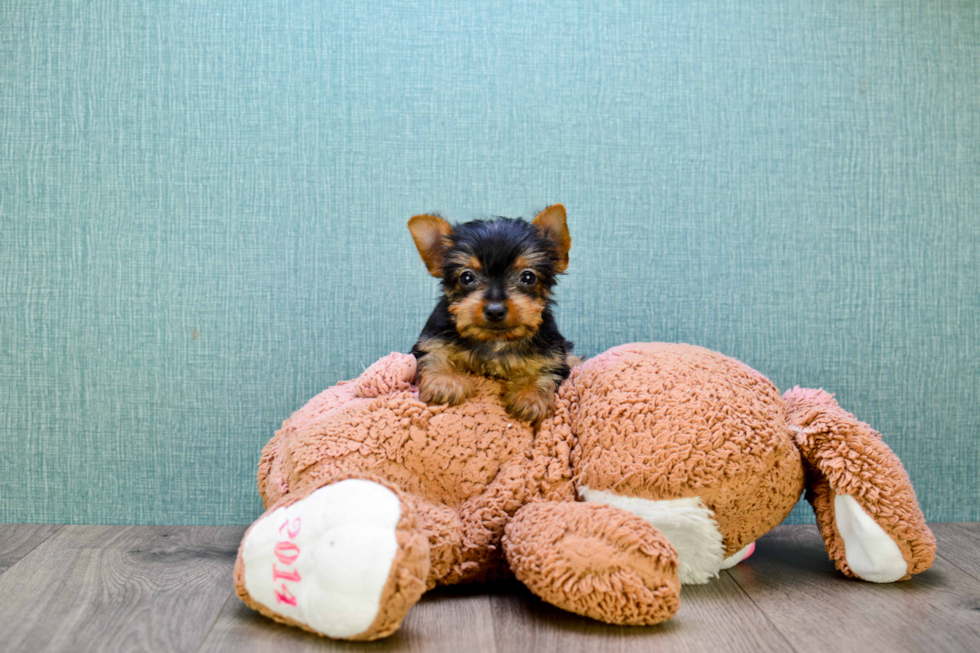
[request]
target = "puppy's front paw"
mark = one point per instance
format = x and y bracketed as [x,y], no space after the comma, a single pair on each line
[444,387]
[530,403]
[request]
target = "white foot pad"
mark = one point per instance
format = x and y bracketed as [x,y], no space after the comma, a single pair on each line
[324,560]
[870,552]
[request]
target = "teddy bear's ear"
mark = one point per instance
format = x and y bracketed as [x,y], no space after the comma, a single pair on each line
[552,224]
[431,234]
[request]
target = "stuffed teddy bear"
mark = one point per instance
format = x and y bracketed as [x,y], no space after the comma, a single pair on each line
[662,465]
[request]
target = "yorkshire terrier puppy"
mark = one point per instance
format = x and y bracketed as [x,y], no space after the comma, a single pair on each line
[494,317]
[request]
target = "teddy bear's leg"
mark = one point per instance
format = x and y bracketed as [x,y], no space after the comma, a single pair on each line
[464,540]
[343,558]
[449,563]
[864,502]
[594,560]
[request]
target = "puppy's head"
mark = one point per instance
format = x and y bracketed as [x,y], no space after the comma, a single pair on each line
[497,274]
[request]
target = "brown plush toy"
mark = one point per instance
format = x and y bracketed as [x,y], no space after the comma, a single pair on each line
[662,465]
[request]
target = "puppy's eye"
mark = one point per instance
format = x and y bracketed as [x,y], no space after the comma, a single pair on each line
[467,278]
[528,278]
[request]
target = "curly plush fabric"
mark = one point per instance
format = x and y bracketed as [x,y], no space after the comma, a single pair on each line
[684,457]
[463,468]
[845,456]
[662,421]
[596,561]
[397,436]
[405,584]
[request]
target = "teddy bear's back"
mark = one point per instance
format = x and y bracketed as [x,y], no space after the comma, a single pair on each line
[665,421]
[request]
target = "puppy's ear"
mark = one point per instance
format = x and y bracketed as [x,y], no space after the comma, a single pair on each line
[551,223]
[431,236]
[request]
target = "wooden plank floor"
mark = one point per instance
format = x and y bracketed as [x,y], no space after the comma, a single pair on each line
[155,588]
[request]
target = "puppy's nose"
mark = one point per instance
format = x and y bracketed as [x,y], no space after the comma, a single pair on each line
[495,311]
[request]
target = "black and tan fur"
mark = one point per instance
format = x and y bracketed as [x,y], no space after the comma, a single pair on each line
[494,317]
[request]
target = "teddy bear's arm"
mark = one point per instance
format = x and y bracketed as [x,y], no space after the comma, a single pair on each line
[595,560]
[482,521]
[550,474]
[864,502]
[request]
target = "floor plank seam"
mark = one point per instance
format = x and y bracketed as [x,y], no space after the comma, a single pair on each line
[952,562]
[765,616]
[214,622]
[33,548]
[493,631]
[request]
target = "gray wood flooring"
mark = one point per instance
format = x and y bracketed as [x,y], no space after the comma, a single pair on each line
[159,588]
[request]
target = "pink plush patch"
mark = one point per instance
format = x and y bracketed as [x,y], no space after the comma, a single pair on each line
[393,373]
[321,405]
[811,396]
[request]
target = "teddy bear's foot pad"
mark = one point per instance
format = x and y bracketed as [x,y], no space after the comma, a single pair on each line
[870,552]
[324,561]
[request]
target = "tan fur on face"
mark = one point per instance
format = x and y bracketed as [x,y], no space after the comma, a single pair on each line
[524,316]
[465,260]
[530,260]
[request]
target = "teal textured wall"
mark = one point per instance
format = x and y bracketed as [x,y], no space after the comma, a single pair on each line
[203,213]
